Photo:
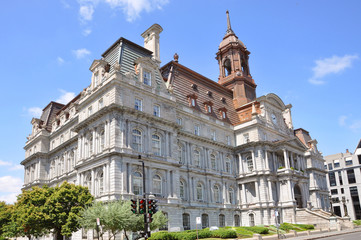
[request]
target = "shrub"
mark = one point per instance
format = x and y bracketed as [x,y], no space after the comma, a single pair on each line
[286,227]
[305,226]
[223,233]
[357,222]
[163,235]
[259,230]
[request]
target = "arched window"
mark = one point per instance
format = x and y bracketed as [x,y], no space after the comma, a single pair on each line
[88,181]
[249,161]
[180,154]
[186,221]
[228,165]
[222,220]
[137,183]
[227,67]
[251,219]
[102,140]
[231,195]
[137,140]
[205,221]
[62,164]
[213,161]
[237,222]
[52,169]
[216,193]
[90,139]
[72,159]
[196,158]
[156,145]
[157,184]
[199,192]
[99,181]
[182,190]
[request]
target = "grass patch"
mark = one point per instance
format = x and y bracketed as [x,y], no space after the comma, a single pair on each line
[357,222]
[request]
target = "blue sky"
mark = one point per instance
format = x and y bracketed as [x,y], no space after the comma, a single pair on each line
[307,52]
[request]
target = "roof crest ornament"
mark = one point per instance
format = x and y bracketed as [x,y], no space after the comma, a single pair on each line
[229,29]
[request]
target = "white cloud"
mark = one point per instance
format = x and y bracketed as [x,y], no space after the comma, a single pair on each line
[60,61]
[3,163]
[35,112]
[131,8]
[10,198]
[65,97]
[87,31]
[356,124]
[81,53]
[65,4]
[17,167]
[332,65]
[10,184]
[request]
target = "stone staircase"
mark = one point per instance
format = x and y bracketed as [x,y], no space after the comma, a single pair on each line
[317,217]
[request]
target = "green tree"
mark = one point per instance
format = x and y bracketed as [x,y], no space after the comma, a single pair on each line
[64,207]
[5,217]
[117,217]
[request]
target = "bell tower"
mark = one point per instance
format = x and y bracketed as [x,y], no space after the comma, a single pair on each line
[234,71]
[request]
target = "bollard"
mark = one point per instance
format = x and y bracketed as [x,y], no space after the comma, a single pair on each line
[257,236]
[293,232]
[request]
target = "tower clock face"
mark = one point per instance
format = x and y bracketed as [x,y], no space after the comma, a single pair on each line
[274,119]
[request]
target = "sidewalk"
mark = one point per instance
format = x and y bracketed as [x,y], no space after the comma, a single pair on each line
[316,234]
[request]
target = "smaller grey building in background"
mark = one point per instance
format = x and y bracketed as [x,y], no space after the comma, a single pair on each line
[344,182]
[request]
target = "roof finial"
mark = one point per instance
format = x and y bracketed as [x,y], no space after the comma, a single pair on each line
[229,29]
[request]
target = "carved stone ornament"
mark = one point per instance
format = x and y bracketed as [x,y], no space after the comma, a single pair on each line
[176,57]
[116,67]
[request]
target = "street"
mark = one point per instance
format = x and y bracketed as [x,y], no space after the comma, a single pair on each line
[350,236]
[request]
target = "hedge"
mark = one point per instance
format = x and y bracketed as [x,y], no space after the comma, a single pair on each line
[192,234]
[259,230]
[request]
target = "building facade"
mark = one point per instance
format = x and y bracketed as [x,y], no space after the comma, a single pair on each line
[211,149]
[344,182]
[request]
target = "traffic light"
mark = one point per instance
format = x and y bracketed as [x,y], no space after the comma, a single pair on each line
[152,206]
[142,206]
[134,206]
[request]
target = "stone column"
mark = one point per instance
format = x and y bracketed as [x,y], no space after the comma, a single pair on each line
[130,187]
[257,186]
[94,141]
[253,160]
[292,161]
[285,155]
[290,193]
[241,170]
[168,184]
[244,195]
[274,161]
[270,194]
[166,145]
[266,158]
[93,182]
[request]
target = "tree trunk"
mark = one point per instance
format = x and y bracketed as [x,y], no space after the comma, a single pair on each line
[58,235]
[125,234]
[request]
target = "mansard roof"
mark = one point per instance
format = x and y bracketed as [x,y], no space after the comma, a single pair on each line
[49,114]
[206,91]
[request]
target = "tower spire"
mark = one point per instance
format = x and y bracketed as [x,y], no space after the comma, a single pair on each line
[229,29]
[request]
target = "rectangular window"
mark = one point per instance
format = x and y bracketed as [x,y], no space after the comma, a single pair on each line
[331,176]
[330,166]
[147,78]
[342,191]
[348,162]
[334,191]
[193,102]
[325,166]
[196,130]
[336,163]
[359,159]
[351,176]
[245,138]
[213,135]
[156,110]
[179,121]
[228,139]
[90,111]
[340,177]
[101,103]
[138,104]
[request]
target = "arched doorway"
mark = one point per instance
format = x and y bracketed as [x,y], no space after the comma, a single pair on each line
[298,196]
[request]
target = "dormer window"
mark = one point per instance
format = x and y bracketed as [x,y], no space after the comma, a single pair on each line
[96,78]
[147,78]
[192,99]
[210,94]
[223,113]
[223,100]
[208,107]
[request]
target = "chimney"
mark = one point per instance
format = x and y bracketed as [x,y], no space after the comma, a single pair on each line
[151,40]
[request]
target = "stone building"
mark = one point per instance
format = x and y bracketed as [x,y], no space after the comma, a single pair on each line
[344,182]
[211,149]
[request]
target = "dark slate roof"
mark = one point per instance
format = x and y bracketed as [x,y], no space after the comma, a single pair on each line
[49,114]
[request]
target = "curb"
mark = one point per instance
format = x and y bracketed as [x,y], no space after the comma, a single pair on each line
[330,234]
